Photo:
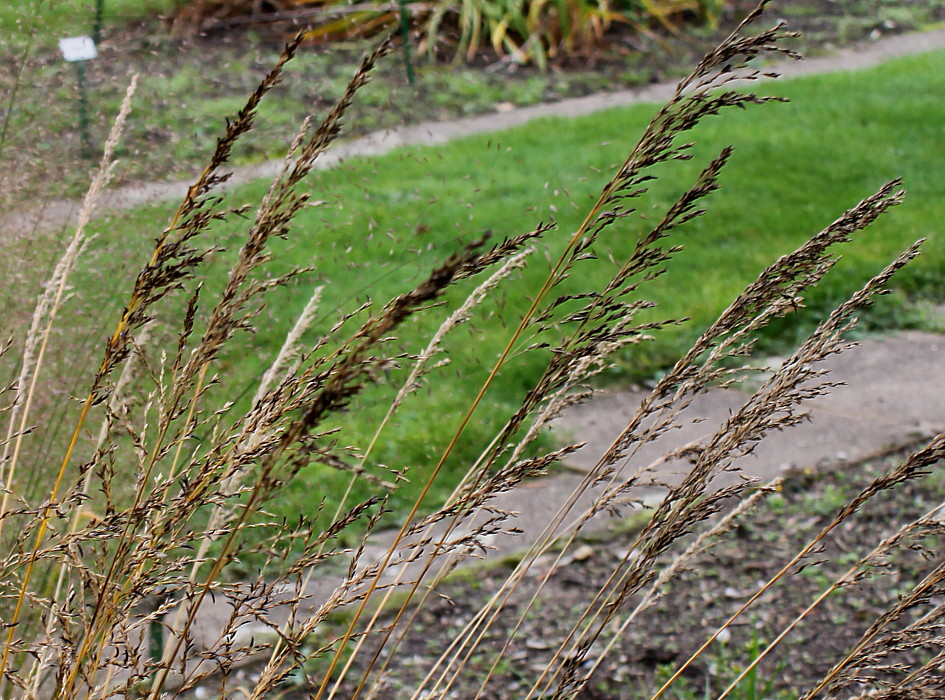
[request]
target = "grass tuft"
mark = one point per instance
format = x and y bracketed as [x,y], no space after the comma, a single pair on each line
[165,488]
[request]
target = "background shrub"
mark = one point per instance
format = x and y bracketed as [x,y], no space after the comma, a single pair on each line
[523,30]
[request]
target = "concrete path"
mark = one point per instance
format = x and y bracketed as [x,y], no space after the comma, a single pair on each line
[893,395]
[58,213]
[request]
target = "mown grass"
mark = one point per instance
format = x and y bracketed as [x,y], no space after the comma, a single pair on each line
[382,222]
[53,19]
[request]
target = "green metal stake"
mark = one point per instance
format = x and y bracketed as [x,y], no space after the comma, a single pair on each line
[97,27]
[83,111]
[405,30]
[156,641]
[78,50]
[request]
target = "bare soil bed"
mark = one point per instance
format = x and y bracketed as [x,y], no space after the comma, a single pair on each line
[693,606]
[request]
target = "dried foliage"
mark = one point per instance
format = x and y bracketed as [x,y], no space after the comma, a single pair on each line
[138,526]
[533,31]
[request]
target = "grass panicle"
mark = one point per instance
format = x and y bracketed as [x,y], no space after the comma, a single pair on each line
[159,507]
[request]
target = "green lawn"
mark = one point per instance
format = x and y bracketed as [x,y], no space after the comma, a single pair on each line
[385,222]
[53,19]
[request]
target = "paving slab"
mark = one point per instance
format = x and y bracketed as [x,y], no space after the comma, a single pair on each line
[893,380]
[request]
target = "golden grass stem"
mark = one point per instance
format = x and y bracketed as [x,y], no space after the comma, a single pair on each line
[47,309]
[523,324]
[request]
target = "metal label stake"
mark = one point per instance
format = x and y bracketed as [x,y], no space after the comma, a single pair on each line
[78,50]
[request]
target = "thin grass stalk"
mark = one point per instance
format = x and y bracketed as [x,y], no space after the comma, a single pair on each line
[581,632]
[205,542]
[931,667]
[290,349]
[123,380]
[763,286]
[445,455]
[275,669]
[930,517]
[287,353]
[922,591]
[625,173]
[461,315]
[340,387]
[160,676]
[767,294]
[419,501]
[150,286]
[432,557]
[46,310]
[495,604]
[571,531]
[277,209]
[545,541]
[280,366]
[698,546]
[749,424]
[557,402]
[189,420]
[443,549]
[679,211]
[101,619]
[109,675]
[911,468]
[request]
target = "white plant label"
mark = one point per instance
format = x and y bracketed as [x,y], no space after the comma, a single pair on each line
[78,48]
